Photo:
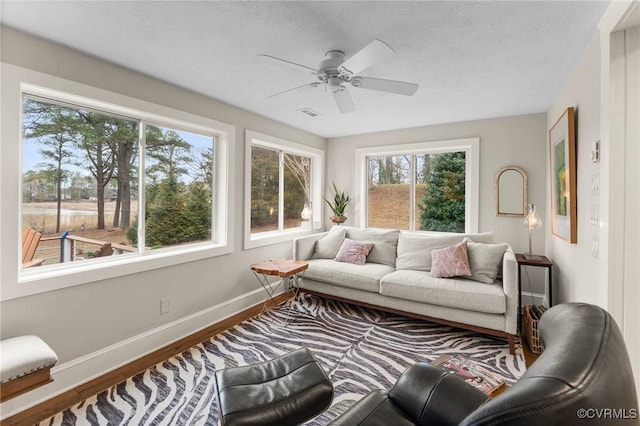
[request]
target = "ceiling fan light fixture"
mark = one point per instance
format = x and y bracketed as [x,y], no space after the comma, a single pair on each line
[334,82]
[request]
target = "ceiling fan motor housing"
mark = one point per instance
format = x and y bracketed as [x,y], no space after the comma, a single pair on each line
[329,72]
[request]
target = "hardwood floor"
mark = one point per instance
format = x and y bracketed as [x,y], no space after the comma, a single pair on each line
[59,403]
[529,357]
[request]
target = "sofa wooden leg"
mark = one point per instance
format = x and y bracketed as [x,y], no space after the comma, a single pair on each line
[512,344]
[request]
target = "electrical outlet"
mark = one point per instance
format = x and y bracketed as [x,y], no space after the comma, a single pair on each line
[165,306]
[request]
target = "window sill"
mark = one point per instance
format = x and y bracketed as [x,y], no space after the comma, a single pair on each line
[55,277]
[267,238]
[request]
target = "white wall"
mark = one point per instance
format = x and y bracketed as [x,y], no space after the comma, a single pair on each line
[575,269]
[81,323]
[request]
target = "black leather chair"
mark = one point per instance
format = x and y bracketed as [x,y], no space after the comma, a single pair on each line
[583,376]
[284,391]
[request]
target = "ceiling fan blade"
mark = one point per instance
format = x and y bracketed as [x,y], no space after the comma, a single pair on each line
[314,84]
[383,85]
[291,64]
[343,99]
[369,55]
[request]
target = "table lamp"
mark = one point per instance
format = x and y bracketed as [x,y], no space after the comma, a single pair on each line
[532,221]
[306,211]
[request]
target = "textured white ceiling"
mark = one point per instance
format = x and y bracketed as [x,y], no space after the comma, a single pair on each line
[472,60]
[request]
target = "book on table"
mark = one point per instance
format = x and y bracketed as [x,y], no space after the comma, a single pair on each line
[471,372]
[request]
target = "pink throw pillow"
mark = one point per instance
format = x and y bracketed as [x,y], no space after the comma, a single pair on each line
[452,261]
[353,251]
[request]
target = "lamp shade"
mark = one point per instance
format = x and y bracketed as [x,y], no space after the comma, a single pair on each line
[532,220]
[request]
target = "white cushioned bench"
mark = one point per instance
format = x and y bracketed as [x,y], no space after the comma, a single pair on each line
[25,363]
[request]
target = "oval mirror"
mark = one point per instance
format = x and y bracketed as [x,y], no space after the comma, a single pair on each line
[511,191]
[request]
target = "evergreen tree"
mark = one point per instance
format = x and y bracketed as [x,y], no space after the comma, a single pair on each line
[56,129]
[94,130]
[443,204]
[198,212]
[166,222]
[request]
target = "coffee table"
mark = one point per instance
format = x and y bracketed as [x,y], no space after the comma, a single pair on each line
[285,269]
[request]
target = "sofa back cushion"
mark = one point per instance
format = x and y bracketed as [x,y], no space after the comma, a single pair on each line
[327,247]
[485,260]
[385,243]
[414,250]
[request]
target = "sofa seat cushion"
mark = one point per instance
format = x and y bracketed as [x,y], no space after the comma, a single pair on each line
[362,277]
[420,286]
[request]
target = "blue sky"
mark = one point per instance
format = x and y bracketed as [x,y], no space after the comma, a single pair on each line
[31,156]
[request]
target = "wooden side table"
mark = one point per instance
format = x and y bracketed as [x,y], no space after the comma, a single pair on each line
[541,261]
[286,269]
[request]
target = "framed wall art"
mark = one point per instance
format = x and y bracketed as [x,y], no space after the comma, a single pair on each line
[562,147]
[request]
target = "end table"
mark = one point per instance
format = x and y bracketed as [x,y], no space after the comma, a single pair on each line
[286,269]
[541,261]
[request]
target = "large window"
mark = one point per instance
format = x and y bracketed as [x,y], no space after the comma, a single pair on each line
[101,182]
[420,187]
[284,181]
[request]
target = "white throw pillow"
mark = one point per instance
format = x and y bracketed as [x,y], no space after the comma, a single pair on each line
[327,247]
[485,260]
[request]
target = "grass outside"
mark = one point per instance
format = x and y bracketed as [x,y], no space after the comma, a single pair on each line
[388,206]
[79,218]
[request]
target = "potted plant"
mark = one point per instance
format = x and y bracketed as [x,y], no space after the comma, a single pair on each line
[339,205]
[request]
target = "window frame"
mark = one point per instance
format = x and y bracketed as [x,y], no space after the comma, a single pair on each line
[253,138]
[471,147]
[55,276]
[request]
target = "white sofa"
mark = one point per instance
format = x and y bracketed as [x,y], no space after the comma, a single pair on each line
[397,277]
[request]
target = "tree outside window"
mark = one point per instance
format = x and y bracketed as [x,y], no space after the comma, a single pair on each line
[280,185]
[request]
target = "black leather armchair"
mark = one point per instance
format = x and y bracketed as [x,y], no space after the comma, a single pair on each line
[583,376]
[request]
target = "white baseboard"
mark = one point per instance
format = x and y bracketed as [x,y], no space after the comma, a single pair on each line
[81,370]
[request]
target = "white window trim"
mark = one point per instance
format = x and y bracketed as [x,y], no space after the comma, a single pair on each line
[317,171]
[472,174]
[18,283]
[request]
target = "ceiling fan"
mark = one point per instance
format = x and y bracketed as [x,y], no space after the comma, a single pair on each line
[335,72]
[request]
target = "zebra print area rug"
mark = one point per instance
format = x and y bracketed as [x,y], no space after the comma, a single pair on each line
[360,349]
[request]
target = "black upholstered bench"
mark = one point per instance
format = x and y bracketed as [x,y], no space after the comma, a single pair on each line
[287,390]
